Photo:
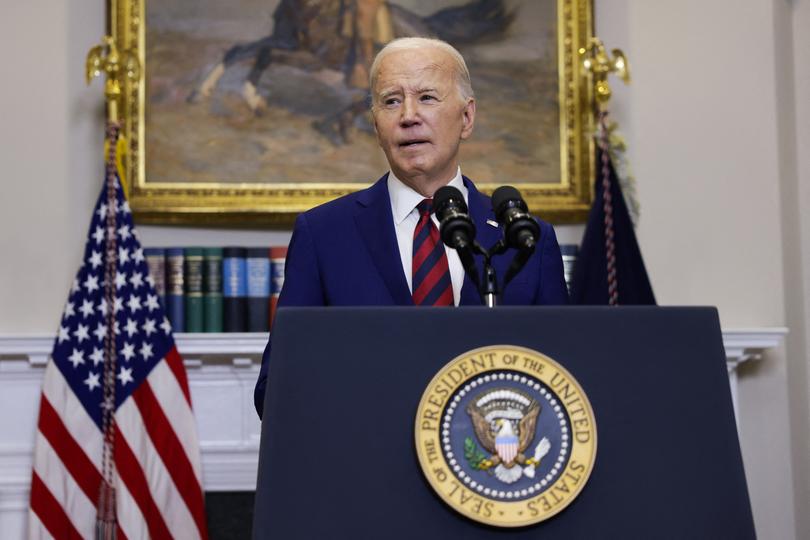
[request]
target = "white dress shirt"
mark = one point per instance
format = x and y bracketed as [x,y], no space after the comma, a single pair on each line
[403,207]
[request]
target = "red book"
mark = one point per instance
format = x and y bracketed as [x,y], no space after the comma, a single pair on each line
[278,255]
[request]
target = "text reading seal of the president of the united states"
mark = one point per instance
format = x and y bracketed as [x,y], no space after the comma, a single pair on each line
[506,436]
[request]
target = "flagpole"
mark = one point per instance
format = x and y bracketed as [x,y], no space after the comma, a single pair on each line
[118,67]
[599,65]
[607,206]
[105,519]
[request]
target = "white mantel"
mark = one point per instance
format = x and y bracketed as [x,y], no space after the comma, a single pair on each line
[222,370]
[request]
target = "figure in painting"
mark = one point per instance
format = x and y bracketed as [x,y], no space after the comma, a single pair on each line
[344,35]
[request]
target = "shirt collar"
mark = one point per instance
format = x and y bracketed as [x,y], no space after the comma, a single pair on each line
[404,198]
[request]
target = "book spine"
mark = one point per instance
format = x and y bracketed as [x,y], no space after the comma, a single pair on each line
[234,289]
[156,261]
[175,307]
[278,257]
[193,281]
[570,252]
[212,289]
[258,289]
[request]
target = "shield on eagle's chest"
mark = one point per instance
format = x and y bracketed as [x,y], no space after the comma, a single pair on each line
[507,447]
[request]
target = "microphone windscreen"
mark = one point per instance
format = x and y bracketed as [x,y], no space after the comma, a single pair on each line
[501,198]
[446,193]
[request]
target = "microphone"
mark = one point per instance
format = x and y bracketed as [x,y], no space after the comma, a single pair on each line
[521,231]
[455,226]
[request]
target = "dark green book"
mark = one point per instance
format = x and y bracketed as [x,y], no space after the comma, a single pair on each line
[212,289]
[194,289]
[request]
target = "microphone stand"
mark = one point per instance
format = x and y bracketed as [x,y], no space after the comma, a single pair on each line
[488,290]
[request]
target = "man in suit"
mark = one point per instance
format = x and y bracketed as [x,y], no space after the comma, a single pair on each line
[381,246]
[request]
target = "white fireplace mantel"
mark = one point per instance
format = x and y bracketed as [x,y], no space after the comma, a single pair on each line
[222,370]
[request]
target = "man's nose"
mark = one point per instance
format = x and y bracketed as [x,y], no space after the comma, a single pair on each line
[409,112]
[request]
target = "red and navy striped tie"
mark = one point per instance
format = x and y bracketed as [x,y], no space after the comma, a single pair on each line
[431,273]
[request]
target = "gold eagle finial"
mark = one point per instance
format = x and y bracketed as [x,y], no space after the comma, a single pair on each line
[118,66]
[597,62]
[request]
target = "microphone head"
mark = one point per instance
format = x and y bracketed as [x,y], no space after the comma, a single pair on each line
[455,226]
[446,196]
[506,197]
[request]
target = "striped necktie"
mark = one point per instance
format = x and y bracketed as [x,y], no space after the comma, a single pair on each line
[431,274]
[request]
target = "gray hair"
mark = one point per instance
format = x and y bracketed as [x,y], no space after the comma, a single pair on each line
[462,74]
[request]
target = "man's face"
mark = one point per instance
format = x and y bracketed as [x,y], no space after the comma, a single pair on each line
[420,118]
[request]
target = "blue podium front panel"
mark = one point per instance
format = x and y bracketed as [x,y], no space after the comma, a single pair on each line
[338,458]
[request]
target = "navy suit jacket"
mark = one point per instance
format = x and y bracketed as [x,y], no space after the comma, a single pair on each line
[345,253]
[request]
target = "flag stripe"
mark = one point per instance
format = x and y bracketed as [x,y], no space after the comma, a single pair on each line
[171,453]
[178,412]
[63,488]
[50,512]
[72,414]
[133,477]
[127,512]
[162,488]
[175,362]
[70,453]
[36,529]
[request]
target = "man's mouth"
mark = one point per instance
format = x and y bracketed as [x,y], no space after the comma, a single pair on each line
[411,143]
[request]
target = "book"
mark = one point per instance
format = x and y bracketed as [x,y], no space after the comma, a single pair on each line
[258,289]
[212,289]
[234,289]
[569,258]
[193,287]
[278,258]
[156,261]
[175,305]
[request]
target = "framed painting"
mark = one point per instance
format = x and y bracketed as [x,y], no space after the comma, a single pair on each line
[247,112]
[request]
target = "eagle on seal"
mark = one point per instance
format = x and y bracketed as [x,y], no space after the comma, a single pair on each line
[492,419]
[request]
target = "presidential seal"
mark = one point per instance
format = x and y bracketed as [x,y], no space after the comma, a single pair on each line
[505,436]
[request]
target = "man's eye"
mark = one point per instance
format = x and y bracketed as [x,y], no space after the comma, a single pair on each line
[428,97]
[391,101]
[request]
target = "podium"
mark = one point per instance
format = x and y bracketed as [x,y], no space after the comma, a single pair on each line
[338,459]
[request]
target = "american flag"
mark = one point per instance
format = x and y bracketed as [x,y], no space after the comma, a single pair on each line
[153,461]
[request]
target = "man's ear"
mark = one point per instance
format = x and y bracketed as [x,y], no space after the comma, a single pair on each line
[374,123]
[468,118]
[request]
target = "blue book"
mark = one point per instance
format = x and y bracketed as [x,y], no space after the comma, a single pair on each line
[175,304]
[570,252]
[234,289]
[258,289]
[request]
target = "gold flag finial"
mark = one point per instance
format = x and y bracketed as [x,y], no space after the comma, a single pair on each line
[118,66]
[599,64]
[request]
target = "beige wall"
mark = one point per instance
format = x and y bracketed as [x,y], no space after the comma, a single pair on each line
[719,131]
[795,121]
[718,135]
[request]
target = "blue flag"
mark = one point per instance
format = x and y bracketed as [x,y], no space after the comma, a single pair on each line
[593,283]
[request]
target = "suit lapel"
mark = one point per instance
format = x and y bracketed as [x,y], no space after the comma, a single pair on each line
[486,235]
[375,222]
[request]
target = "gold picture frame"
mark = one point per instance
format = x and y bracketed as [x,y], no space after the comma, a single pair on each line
[565,199]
